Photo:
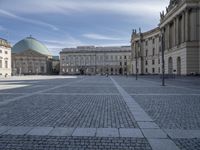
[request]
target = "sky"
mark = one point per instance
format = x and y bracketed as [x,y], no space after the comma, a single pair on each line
[69,23]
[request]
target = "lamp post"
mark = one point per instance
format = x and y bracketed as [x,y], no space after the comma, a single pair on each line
[163,60]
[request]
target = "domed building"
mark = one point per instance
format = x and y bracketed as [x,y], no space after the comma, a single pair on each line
[29,56]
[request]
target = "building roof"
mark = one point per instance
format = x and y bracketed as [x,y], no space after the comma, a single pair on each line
[30,43]
[4,42]
[96,49]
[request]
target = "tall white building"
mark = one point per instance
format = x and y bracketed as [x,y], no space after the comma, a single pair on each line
[92,60]
[180,26]
[5,58]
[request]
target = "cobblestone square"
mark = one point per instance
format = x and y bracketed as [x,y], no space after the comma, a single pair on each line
[98,112]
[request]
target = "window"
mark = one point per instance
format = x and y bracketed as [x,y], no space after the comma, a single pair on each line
[153,70]
[159,69]
[146,43]
[153,51]
[146,53]
[125,63]
[153,41]
[120,63]
[6,64]
[6,52]
[146,62]
[124,57]
[146,70]
[0,51]
[158,61]
[153,62]
[0,63]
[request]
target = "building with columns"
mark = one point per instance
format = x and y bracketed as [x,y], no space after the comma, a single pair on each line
[30,57]
[91,60]
[5,58]
[180,28]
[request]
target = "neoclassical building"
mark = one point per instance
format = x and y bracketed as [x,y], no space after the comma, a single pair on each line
[5,58]
[30,57]
[92,60]
[180,28]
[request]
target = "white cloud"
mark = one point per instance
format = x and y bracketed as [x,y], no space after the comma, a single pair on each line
[125,7]
[37,22]
[55,45]
[95,36]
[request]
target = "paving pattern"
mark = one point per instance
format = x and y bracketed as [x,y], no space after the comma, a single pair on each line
[99,113]
[94,111]
[71,143]
[172,111]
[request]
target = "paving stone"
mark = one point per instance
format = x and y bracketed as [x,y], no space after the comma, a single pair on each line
[172,111]
[147,125]
[58,131]
[40,131]
[84,132]
[188,144]
[18,130]
[82,111]
[4,129]
[142,117]
[12,142]
[162,144]
[187,134]
[154,133]
[125,132]
[107,132]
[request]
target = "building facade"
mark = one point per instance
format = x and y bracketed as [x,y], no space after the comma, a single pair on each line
[30,57]
[92,60]
[5,58]
[180,28]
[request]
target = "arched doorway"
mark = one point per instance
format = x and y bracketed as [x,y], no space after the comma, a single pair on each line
[170,65]
[178,65]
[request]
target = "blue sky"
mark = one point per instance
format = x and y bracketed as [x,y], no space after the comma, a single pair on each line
[70,23]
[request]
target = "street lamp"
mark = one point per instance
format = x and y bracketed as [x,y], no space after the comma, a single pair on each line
[163,60]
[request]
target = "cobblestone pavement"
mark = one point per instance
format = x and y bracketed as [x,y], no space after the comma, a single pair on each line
[68,111]
[172,111]
[188,144]
[125,113]
[71,143]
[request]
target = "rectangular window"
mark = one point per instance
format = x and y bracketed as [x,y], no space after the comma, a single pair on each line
[153,51]
[6,64]
[153,41]
[153,62]
[6,52]
[125,63]
[0,63]
[124,57]
[146,43]
[0,51]
[153,70]
[146,70]
[146,62]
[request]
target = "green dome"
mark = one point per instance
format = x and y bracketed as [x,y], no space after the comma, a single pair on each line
[30,43]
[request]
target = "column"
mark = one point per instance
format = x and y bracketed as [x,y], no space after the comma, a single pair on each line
[177,31]
[174,35]
[186,25]
[183,26]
